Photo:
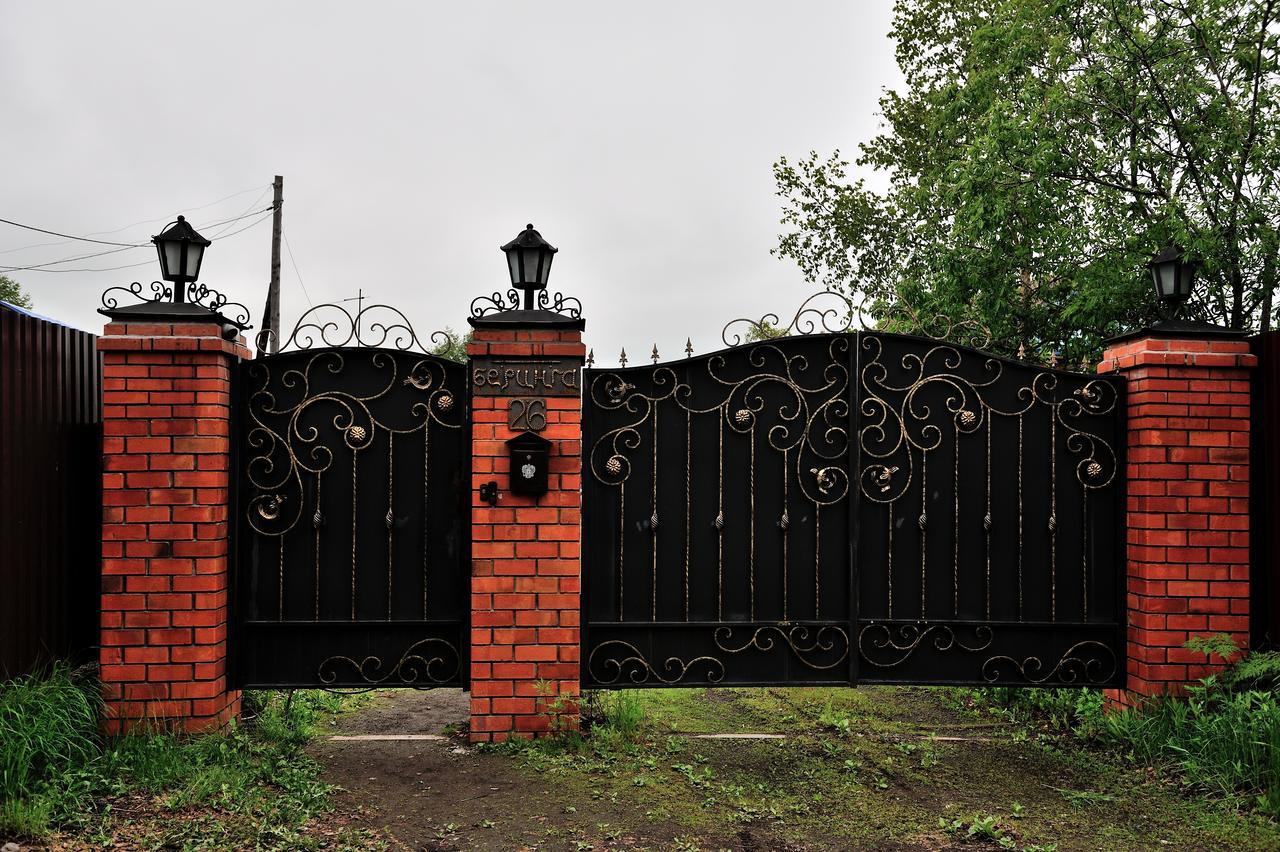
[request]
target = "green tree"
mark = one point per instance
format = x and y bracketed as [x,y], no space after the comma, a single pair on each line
[1039,153]
[11,291]
[450,346]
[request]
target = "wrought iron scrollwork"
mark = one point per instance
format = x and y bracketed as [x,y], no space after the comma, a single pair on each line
[615,661]
[810,425]
[374,327]
[416,667]
[1083,663]
[897,420]
[197,294]
[807,643]
[889,645]
[283,449]
[498,302]
[827,312]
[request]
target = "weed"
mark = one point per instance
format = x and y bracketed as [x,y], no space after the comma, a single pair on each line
[249,786]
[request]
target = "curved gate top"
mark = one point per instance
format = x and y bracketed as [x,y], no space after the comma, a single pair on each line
[852,507]
[352,545]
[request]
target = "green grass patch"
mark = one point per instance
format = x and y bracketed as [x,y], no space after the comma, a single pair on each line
[248,787]
[1221,738]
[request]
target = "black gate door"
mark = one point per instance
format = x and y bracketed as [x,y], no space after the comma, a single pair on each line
[990,531]
[852,507]
[717,518]
[352,543]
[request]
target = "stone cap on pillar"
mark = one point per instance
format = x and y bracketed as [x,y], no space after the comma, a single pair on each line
[528,319]
[1179,330]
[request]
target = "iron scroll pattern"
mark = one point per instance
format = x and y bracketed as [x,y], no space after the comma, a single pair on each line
[499,302]
[615,662]
[351,536]
[716,516]
[425,663]
[990,507]
[700,455]
[288,451]
[330,326]
[197,294]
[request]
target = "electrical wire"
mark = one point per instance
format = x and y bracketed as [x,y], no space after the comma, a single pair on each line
[68,236]
[289,249]
[245,213]
[39,267]
[135,224]
[129,266]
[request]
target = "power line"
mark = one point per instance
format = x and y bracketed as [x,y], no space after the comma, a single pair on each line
[134,224]
[289,249]
[68,236]
[39,267]
[65,260]
[129,266]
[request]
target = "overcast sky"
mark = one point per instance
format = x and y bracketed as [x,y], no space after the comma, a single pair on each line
[415,138]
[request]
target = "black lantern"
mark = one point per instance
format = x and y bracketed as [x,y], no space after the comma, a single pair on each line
[1173,276]
[180,249]
[529,262]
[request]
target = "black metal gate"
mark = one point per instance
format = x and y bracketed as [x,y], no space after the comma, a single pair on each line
[849,507]
[352,543]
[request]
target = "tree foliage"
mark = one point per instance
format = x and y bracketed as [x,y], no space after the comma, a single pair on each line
[11,291]
[1040,152]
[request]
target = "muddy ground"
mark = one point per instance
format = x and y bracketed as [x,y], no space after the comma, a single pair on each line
[872,768]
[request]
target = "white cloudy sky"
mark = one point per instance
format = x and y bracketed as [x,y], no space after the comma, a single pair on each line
[415,138]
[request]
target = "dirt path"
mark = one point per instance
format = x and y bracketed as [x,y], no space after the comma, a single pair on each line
[873,768]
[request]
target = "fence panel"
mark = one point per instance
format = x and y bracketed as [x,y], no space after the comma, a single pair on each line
[50,487]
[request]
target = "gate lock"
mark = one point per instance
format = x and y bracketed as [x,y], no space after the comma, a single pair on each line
[530,459]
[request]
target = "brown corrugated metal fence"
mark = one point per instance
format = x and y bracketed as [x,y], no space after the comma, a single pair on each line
[50,486]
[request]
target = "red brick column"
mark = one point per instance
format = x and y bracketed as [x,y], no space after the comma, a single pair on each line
[1188,502]
[525,585]
[165,549]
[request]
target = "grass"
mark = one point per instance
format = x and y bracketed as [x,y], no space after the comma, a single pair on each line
[249,787]
[898,765]
[1221,738]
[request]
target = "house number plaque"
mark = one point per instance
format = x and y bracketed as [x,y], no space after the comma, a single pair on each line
[527,415]
[526,377]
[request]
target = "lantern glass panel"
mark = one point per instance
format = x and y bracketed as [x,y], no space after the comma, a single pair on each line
[194,254]
[1166,275]
[171,259]
[530,256]
[513,262]
[545,272]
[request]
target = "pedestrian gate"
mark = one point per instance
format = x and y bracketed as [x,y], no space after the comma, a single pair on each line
[354,459]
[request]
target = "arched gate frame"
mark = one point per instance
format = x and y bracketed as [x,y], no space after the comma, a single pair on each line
[852,507]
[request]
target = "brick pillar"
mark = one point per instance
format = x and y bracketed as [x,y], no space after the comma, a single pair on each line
[165,549]
[526,550]
[1188,502]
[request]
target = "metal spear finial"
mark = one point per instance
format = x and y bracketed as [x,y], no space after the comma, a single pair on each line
[654,353]
[688,347]
[622,359]
[591,357]
[1022,352]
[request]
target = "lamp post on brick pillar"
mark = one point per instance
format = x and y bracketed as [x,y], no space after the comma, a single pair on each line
[167,363]
[525,371]
[1188,488]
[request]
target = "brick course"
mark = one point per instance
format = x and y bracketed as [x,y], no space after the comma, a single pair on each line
[165,548]
[1188,504]
[525,558]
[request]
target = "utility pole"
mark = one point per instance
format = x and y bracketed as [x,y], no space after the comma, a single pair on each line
[273,293]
